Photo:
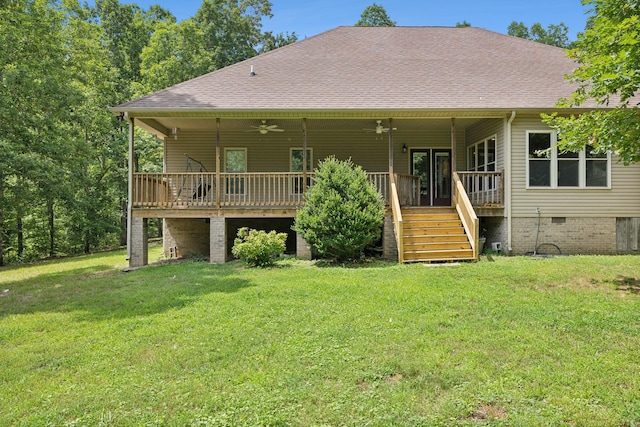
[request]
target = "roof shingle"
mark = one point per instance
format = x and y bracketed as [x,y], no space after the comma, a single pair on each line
[390,68]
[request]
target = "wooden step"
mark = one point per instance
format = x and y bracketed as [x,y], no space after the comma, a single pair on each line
[430,231]
[432,224]
[430,217]
[433,238]
[436,246]
[439,255]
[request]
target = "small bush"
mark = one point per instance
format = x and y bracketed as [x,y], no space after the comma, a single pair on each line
[343,212]
[258,248]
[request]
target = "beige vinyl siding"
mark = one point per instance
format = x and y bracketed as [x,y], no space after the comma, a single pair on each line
[485,129]
[271,152]
[621,200]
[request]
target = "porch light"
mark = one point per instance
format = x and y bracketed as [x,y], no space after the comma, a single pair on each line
[404,148]
[174,132]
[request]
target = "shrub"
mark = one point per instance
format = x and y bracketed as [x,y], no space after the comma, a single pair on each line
[343,212]
[258,248]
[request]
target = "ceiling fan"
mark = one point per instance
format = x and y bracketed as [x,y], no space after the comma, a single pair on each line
[264,128]
[379,128]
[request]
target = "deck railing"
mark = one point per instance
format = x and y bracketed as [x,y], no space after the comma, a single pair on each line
[484,188]
[275,189]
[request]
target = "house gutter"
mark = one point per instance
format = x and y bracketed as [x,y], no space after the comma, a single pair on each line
[507,167]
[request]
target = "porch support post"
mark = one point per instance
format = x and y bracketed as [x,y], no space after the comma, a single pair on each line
[139,242]
[218,163]
[304,156]
[454,148]
[130,187]
[391,150]
[217,240]
[303,251]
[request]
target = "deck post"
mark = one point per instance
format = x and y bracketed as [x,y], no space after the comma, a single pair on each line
[454,148]
[130,187]
[304,156]
[390,148]
[218,163]
[139,243]
[217,240]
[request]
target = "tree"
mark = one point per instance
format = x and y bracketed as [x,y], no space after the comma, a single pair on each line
[554,35]
[221,33]
[463,24]
[375,16]
[343,211]
[608,54]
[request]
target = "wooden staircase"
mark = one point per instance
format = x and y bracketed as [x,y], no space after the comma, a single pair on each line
[434,234]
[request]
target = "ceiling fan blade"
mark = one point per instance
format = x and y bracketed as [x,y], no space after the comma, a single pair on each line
[276,130]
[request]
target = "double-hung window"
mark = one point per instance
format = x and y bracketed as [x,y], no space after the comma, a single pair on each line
[548,167]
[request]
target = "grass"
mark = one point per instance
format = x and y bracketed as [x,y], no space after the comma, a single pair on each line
[518,341]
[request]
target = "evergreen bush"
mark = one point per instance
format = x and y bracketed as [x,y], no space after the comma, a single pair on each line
[343,212]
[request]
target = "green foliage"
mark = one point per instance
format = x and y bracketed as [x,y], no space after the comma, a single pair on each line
[343,211]
[463,24]
[609,56]
[554,35]
[375,16]
[257,247]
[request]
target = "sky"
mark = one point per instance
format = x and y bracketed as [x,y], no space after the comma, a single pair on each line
[310,17]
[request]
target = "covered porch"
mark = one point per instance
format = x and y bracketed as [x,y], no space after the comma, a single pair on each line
[247,167]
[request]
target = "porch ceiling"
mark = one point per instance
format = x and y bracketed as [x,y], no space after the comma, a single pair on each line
[161,126]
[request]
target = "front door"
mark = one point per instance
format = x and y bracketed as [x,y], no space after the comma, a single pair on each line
[433,166]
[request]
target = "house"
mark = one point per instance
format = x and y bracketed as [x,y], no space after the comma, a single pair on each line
[446,121]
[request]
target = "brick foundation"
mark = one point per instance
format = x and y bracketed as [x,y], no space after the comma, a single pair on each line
[139,250]
[571,235]
[218,241]
[186,237]
[389,243]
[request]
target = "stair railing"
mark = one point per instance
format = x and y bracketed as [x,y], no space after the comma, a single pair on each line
[466,213]
[397,217]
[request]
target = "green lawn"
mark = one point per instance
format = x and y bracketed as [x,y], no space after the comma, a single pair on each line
[515,342]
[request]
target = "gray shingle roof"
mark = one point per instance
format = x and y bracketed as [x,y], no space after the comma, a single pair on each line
[392,68]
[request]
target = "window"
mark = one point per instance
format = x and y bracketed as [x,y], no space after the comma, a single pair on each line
[481,156]
[548,167]
[295,163]
[235,162]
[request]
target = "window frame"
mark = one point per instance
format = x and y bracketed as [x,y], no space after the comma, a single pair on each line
[475,166]
[295,184]
[238,187]
[555,160]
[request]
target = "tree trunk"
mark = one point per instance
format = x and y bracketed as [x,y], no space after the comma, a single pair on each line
[87,244]
[160,224]
[52,232]
[20,231]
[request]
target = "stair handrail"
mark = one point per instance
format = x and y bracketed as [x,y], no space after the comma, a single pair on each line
[397,217]
[466,213]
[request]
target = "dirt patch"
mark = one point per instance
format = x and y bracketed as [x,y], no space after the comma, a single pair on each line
[488,412]
[627,284]
[394,379]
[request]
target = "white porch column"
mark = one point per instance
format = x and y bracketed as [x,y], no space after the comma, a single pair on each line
[130,186]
